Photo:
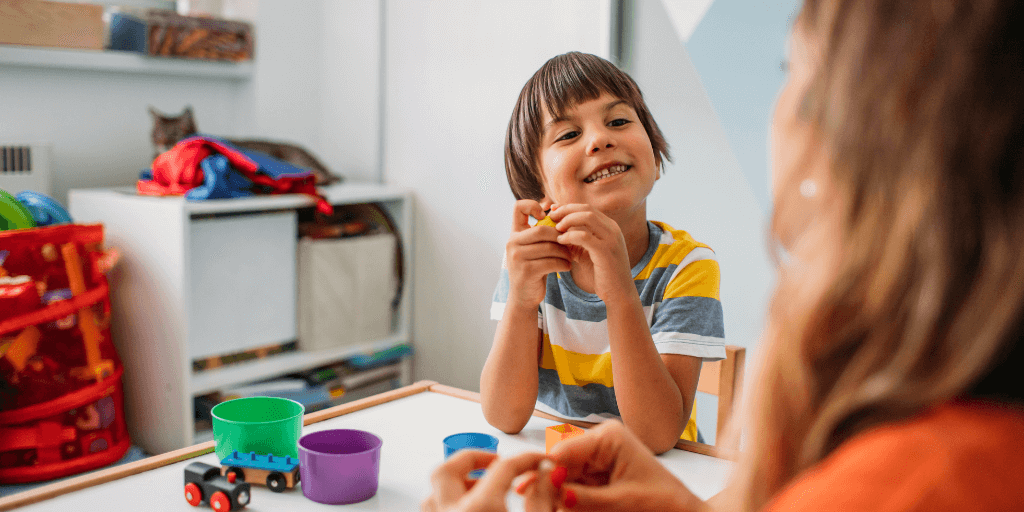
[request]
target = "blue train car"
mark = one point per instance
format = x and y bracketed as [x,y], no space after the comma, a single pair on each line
[276,472]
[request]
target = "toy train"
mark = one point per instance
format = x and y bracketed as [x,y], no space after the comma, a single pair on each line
[204,482]
[276,472]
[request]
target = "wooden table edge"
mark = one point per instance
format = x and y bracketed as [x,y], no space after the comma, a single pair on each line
[690,446]
[103,476]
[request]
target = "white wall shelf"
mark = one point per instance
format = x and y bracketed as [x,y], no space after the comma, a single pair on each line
[121,62]
[177,293]
[208,381]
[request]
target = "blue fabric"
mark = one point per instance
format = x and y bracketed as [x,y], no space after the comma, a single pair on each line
[273,167]
[220,181]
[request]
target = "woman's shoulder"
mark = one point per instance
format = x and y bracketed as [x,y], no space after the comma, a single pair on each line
[962,455]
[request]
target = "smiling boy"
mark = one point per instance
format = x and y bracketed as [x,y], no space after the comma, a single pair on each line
[619,326]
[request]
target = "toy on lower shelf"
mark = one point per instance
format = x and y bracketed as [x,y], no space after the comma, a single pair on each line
[277,473]
[204,482]
[558,433]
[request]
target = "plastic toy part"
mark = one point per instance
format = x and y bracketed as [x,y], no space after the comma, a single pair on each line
[546,221]
[98,368]
[472,441]
[558,433]
[340,466]
[277,473]
[257,424]
[44,210]
[13,214]
[203,482]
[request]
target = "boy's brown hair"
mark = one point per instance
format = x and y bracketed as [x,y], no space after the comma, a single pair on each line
[561,83]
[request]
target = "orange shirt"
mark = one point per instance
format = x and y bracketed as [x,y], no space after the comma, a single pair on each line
[959,456]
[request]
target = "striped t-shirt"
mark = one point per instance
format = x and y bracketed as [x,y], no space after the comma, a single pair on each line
[677,280]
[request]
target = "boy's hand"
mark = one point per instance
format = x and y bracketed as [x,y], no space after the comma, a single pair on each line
[532,252]
[600,237]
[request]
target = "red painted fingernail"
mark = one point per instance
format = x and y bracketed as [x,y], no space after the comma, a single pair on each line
[558,476]
[570,499]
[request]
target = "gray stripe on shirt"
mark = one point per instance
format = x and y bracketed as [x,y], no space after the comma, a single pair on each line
[575,401]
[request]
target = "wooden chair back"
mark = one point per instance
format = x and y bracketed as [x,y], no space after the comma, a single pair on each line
[724,379]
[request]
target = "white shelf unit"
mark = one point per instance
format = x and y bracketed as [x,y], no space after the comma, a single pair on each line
[122,62]
[154,300]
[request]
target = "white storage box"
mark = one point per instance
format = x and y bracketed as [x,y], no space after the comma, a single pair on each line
[243,282]
[346,286]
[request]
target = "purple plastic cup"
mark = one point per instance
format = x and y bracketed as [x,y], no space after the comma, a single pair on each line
[339,466]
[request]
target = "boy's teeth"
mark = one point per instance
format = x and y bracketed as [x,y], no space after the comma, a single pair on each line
[604,173]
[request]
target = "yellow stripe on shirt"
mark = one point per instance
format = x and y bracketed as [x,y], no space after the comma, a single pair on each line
[593,369]
[698,279]
[575,369]
[666,255]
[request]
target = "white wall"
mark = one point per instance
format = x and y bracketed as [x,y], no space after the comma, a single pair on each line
[454,69]
[315,83]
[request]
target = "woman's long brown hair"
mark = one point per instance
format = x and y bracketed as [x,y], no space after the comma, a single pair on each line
[907,291]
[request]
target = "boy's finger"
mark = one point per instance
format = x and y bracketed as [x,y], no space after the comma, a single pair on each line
[521,213]
[559,212]
[531,245]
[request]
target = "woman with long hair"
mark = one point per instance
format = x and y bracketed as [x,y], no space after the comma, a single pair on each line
[892,368]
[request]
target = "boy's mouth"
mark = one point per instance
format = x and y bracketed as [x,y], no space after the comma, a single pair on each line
[607,172]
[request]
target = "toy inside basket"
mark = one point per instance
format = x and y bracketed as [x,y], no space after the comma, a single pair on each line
[61,405]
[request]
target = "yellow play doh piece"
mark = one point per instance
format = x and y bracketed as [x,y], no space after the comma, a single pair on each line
[546,221]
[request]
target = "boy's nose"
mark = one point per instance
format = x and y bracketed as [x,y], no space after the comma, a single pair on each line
[599,142]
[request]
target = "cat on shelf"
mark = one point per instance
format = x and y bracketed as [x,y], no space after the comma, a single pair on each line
[168,130]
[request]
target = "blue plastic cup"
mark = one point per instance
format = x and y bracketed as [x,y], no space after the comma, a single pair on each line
[470,440]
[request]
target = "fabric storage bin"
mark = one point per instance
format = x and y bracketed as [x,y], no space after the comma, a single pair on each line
[346,287]
[61,405]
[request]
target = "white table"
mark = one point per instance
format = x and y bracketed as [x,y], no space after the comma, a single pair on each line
[412,421]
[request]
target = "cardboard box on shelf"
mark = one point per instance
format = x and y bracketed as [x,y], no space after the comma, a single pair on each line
[163,33]
[346,287]
[54,24]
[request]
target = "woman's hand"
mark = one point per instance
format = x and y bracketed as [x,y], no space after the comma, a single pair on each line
[610,469]
[452,492]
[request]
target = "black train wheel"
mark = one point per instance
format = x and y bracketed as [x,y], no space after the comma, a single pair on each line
[276,482]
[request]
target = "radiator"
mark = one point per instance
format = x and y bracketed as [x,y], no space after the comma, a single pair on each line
[25,167]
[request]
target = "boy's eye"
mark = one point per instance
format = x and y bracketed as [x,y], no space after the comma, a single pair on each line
[619,122]
[568,136]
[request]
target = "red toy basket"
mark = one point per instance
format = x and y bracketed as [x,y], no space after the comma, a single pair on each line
[61,405]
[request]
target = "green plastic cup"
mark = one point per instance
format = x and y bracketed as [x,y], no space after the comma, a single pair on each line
[261,424]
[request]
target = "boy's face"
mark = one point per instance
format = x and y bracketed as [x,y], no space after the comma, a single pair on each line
[597,154]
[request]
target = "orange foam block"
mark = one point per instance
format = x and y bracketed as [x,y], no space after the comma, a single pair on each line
[554,435]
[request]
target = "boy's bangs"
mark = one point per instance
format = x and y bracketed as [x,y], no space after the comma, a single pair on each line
[573,81]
